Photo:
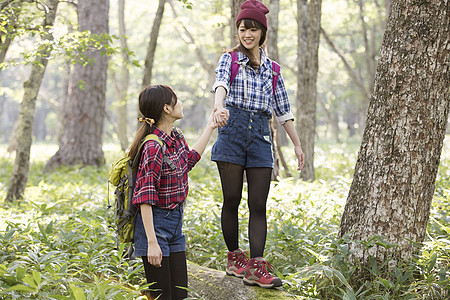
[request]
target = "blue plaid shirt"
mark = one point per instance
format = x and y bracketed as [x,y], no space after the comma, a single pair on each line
[260,96]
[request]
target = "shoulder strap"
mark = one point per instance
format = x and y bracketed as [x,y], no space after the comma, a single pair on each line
[275,73]
[234,66]
[235,69]
[156,138]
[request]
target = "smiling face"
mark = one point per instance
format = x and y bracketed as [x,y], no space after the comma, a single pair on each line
[249,37]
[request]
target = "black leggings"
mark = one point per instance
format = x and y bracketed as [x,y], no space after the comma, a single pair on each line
[168,279]
[258,180]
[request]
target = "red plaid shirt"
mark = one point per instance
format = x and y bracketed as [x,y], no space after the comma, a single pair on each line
[156,183]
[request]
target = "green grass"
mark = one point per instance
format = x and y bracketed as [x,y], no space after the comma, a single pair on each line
[56,243]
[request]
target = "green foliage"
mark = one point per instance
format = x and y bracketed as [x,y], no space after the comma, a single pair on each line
[57,244]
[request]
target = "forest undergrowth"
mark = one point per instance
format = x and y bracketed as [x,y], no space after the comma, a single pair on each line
[57,243]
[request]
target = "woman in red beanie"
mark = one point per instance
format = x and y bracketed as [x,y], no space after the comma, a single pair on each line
[244,102]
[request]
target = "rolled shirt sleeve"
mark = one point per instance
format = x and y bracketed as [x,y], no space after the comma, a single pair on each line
[223,73]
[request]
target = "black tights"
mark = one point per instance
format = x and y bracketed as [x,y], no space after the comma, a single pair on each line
[168,278]
[258,180]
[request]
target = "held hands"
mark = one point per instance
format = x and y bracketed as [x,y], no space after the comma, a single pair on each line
[220,116]
[300,156]
[154,254]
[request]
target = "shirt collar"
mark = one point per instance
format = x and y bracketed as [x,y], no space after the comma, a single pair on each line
[265,61]
[167,139]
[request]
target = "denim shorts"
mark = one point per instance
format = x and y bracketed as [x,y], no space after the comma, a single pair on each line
[245,140]
[168,229]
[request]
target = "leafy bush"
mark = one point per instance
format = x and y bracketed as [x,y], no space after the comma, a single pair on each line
[57,244]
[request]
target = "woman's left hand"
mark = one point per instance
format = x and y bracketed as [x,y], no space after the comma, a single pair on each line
[300,157]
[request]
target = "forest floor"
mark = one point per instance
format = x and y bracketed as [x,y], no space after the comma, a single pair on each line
[57,243]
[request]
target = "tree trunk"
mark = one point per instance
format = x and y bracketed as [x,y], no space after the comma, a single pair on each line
[369,49]
[235,9]
[13,13]
[122,85]
[307,90]
[152,44]
[24,132]
[81,141]
[393,185]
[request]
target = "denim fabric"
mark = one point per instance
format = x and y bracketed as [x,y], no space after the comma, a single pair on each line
[168,229]
[245,140]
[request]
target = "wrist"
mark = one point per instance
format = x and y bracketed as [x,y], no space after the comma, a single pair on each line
[152,242]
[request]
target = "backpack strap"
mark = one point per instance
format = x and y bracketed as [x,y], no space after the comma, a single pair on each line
[234,66]
[275,73]
[235,69]
[157,139]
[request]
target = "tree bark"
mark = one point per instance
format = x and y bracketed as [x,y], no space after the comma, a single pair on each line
[394,178]
[81,141]
[309,33]
[149,60]
[24,132]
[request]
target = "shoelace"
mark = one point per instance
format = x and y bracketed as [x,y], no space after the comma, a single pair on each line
[242,259]
[262,268]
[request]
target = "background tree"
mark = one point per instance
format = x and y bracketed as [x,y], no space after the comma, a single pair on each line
[9,16]
[81,141]
[309,15]
[394,178]
[24,129]
[149,59]
[121,80]
[235,9]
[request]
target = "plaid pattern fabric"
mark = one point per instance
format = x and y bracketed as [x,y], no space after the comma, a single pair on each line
[156,183]
[259,87]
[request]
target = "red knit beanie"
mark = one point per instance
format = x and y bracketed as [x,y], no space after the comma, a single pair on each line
[253,10]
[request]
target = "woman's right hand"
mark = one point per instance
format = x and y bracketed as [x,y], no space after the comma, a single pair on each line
[154,254]
[221,116]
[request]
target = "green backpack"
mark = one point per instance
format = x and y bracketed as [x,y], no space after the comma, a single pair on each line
[123,176]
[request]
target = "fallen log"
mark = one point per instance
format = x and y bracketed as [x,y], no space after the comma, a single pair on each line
[210,284]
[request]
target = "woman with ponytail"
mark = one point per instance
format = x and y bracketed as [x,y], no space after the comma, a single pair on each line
[161,191]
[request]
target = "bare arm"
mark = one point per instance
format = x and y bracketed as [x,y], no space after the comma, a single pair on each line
[200,146]
[221,115]
[154,253]
[292,133]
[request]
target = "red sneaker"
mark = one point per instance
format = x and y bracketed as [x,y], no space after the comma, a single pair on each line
[257,274]
[237,261]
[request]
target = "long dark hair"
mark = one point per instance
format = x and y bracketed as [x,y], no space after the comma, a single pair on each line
[248,23]
[151,105]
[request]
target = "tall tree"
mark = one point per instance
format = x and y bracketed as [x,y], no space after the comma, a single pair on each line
[81,141]
[272,52]
[121,81]
[309,15]
[393,184]
[24,128]
[149,60]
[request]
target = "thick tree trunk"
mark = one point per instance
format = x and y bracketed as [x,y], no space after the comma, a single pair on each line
[307,90]
[149,60]
[24,131]
[81,142]
[393,184]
